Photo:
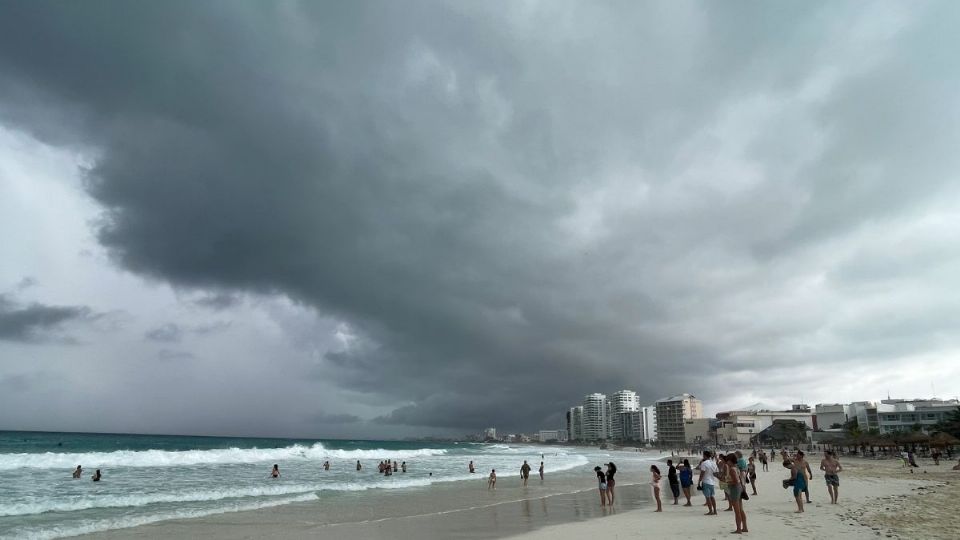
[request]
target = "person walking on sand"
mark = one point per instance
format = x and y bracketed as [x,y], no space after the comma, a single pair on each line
[686,479]
[601,484]
[541,471]
[735,490]
[763,461]
[799,479]
[611,482]
[525,472]
[674,482]
[708,482]
[275,473]
[655,483]
[807,474]
[830,466]
[492,479]
[752,474]
[78,472]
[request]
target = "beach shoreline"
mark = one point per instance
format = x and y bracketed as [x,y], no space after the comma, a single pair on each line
[878,499]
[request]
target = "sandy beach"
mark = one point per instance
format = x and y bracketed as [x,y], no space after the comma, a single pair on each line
[878,498]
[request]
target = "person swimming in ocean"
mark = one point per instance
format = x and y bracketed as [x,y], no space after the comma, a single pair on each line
[403,466]
[77,472]
[275,473]
[96,476]
[470,466]
[326,465]
[358,465]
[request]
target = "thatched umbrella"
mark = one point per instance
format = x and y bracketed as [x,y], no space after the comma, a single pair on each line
[911,437]
[942,439]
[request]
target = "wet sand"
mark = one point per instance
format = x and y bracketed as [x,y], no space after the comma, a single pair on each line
[464,509]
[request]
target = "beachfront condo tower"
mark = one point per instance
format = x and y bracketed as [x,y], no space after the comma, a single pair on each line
[595,417]
[671,412]
[625,419]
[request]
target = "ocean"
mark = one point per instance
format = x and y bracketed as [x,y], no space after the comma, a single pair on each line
[151,478]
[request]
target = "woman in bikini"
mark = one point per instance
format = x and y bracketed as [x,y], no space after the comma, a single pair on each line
[655,482]
[735,491]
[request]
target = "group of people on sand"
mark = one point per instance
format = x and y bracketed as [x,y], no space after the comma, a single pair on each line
[731,474]
[607,483]
[78,473]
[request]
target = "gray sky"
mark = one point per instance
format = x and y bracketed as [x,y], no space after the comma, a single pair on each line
[386,219]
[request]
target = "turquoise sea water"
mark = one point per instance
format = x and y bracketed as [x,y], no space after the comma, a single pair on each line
[149,478]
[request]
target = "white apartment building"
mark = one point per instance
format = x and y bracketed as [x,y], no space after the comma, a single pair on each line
[547,435]
[902,415]
[828,415]
[594,417]
[742,426]
[649,418]
[671,412]
[624,416]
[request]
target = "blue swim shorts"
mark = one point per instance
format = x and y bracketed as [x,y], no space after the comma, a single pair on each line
[708,490]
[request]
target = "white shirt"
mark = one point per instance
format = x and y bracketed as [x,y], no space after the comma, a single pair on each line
[709,468]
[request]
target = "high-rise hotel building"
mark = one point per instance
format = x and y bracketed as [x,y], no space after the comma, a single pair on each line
[671,412]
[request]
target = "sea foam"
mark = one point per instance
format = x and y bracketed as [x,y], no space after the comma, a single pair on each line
[164,458]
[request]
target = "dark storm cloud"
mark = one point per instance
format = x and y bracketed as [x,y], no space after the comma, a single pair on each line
[174,333]
[511,206]
[334,418]
[38,323]
[219,301]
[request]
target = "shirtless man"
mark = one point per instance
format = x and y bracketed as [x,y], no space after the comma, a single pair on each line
[830,466]
[77,472]
[525,472]
[808,473]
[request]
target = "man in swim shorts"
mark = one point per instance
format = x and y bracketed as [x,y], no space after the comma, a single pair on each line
[830,466]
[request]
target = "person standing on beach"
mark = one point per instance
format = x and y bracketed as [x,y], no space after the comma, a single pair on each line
[525,472]
[807,474]
[655,482]
[602,484]
[799,479]
[763,461]
[611,482]
[708,482]
[541,471]
[752,474]
[78,472]
[686,479]
[673,481]
[830,466]
[492,480]
[735,490]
